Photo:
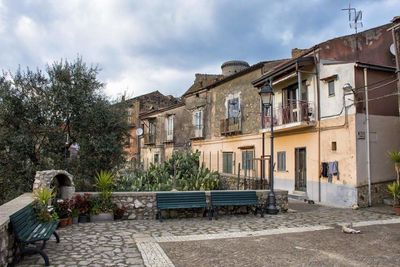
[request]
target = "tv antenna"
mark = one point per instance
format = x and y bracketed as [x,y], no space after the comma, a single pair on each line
[355,17]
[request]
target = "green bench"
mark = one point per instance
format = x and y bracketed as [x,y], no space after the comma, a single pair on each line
[180,200]
[29,230]
[233,198]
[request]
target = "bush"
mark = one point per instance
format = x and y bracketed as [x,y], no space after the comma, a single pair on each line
[181,172]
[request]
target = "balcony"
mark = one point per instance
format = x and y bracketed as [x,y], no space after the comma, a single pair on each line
[149,139]
[296,114]
[169,138]
[231,126]
[197,132]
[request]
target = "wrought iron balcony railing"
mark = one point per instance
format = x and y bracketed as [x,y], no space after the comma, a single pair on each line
[293,112]
[149,139]
[231,126]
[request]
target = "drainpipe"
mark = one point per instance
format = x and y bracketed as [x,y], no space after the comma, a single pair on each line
[316,63]
[367,136]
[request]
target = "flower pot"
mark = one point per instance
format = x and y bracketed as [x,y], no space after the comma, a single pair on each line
[63,222]
[102,217]
[83,218]
[69,220]
[396,210]
[75,220]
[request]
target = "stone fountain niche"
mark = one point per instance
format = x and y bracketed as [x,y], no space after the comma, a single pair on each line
[60,180]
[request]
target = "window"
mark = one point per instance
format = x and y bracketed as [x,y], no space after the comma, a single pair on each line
[233,108]
[331,88]
[169,127]
[282,161]
[227,162]
[129,116]
[247,159]
[198,119]
[334,146]
[156,158]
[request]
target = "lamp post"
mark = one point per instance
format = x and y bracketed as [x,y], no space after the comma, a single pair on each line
[267,95]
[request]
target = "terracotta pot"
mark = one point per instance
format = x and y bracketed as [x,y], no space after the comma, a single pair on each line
[396,210]
[63,222]
[69,220]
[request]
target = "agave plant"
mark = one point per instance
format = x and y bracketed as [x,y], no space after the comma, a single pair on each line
[43,196]
[395,157]
[394,189]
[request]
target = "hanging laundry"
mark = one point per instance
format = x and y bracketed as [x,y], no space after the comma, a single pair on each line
[332,170]
[324,169]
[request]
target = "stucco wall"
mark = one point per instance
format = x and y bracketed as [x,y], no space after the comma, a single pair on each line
[331,105]
[384,137]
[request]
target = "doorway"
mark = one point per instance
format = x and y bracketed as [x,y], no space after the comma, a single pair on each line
[300,183]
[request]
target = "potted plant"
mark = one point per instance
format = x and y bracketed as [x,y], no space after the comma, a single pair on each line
[44,211]
[63,210]
[394,189]
[82,204]
[101,205]
[75,215]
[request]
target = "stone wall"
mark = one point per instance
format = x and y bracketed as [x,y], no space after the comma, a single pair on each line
[230,182]
[6,237]
[379,191]
[142,205]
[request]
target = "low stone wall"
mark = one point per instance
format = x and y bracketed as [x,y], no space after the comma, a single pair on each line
[230,182]
[142,205]
[6,237]
[379,191]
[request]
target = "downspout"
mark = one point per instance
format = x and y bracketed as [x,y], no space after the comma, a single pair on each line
[367,136]
[319,124]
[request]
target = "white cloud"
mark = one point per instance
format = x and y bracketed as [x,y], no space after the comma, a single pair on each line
[159,45]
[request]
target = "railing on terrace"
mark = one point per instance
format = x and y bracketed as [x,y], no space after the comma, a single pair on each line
[149,139]
[295,111]
[231,125]
[197,132]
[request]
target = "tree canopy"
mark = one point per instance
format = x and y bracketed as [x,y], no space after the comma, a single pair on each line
[43,112]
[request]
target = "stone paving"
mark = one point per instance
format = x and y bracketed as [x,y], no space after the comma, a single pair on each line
[135,243]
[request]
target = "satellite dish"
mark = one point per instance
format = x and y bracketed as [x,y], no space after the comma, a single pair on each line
[139,131]
[392,50]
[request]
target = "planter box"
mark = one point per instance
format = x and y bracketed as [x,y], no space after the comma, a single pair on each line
[102,217]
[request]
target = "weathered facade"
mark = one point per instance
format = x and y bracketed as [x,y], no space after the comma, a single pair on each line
[230,117]
[320,120]
[139,105]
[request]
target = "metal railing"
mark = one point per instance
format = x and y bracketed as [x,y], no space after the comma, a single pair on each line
[149,139]
[231,125]
[197,131]
[294,111]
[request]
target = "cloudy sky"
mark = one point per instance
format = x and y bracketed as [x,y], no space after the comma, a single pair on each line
[143,46]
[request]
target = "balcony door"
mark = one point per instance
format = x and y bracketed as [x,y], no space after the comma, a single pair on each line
[289,104]
[300,181]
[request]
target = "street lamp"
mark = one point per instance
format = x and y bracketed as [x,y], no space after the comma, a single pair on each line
[267,95]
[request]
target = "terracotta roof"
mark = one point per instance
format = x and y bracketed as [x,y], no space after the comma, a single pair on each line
[304,52]
[154,101]
[265,65]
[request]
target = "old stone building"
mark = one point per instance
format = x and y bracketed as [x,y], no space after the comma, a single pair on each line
[321,98]
[136,106]
[172,128]
[228,111]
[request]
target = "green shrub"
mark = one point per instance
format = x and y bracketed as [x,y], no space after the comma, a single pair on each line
[181,172]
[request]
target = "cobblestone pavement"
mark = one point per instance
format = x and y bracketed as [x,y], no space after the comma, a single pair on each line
[135,243]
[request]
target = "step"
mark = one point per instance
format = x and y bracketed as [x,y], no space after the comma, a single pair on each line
[298,195]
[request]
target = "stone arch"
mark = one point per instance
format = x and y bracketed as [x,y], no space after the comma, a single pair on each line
[62,181]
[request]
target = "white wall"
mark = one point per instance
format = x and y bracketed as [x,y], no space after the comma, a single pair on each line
[331,105]
[384,137]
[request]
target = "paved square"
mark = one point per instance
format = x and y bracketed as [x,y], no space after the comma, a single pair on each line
[151,243]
